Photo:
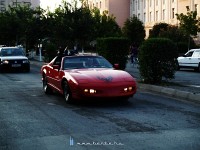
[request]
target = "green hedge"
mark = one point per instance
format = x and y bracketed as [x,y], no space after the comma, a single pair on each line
[114,49]
[157,59]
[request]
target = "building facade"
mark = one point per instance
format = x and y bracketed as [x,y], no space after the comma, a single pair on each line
[118,8]
[5,3]
[151,12]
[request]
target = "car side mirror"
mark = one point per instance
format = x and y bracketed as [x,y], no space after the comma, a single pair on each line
[56,67]
[116,66]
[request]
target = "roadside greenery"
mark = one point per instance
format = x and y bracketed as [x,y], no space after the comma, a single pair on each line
[134,30]
[66,26]
[157,60]
[70,26]
[172,32]
[115,49]
[189,24]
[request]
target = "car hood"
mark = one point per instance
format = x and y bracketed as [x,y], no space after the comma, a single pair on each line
[99,75]
[13,57]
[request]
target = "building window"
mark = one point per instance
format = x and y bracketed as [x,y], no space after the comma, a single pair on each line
[100,4]
[163,15]
[133,5]
[144,17]
[163,2]
[139,16]
[2,2]
[2,9]
[196,7]
[172,1]
[156,2]
[173,13]
[156,15]
[27,4]
[138,5]
[144,3]
[150,3]
[150,19]
[16,4]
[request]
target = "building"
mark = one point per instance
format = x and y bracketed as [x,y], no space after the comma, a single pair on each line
[118,8]
[5,3]
[151,12]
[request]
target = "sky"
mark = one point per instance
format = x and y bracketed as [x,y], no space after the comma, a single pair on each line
[51,4]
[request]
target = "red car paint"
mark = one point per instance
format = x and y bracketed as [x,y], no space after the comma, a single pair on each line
[105,80]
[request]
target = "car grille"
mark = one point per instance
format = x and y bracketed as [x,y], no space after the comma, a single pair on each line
[15,61]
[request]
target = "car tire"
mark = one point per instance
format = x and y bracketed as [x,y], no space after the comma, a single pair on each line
[46,88]
[67,92]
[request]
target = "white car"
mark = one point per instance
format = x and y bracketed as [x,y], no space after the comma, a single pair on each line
[13,58]
[190,60]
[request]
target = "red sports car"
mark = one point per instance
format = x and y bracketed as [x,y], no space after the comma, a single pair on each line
[84,77]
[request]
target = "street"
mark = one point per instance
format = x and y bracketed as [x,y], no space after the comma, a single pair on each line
[31,120]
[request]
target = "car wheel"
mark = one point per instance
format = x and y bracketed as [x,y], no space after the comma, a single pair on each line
[67,92]
[46,87]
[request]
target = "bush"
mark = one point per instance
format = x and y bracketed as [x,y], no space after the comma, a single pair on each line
[114,49]
[157,59]
[182,47]
[50,52]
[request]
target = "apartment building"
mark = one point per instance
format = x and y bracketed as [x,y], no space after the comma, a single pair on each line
[5,3]
[118,8]
[151,12]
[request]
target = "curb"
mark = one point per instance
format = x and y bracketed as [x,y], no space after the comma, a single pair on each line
[193,97]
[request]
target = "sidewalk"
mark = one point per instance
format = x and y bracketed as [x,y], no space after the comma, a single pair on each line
[174,90]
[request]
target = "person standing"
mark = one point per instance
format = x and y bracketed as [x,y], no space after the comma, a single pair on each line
[133,53]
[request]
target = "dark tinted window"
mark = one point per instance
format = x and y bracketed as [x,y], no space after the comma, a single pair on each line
[85,62]
[11,52]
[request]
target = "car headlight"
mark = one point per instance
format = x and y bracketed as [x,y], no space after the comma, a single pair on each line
[5,62]
[91,91]
[128,89]
[25,61]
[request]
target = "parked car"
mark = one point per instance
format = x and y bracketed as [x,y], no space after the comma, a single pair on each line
[190,60]
[13,58]
[85,77]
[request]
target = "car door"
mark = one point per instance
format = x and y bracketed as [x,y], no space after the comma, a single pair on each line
[186,59]
[195,59]
[55,72]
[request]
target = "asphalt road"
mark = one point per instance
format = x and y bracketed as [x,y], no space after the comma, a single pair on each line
[31,120]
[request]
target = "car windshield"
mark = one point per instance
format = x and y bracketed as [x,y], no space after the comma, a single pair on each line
[85,62]
[11,52]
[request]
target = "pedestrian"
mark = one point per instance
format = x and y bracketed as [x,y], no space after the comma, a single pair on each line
[133,53]
[60,51]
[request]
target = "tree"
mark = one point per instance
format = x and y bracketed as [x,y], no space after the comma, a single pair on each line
[20,25]
[173,33]
[105,25]
[157,29]
[189,23]
[134,30]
